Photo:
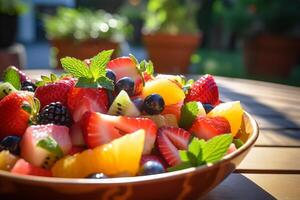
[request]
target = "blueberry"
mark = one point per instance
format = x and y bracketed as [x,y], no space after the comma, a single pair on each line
[111,97]
[97,176]
[152,167]
[11,143]
[208,107]
[111,75]
[154,104]
[138,102]
[28,85]
[125,83]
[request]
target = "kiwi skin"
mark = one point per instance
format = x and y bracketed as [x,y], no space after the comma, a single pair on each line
[122,105]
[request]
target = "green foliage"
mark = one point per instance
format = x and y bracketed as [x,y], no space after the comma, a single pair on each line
[171,16]
[83,24]
[12,7]
[248,17]
[201,152]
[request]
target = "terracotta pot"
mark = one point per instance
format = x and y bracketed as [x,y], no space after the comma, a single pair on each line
[171,53]
[81,50]
[271,55]
[187,184]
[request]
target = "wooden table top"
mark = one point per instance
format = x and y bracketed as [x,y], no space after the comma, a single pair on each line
[272,168]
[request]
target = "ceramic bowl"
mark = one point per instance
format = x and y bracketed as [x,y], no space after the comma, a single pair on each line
[184,184]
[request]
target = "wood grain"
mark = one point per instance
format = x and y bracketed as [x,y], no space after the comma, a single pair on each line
[279,138]
[257,186]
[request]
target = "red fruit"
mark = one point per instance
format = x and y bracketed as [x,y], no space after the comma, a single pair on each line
[147,77]
[100,128]
[174,109]
[207,127]
[231,149]
[77,135]
[97,130]
[81,100]
[124,66]
[14,119]
[54,92]
[204,90]
[75,150]
[169,141]
[25,168]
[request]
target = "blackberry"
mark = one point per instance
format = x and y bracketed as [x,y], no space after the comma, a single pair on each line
[29,86]
[55,113]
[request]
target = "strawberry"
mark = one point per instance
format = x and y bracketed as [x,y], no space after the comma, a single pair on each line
[204,90]
[54,92]
[25,168]
[81,100]
[101,128]
[14,114]
[169,141]
[125,66]
[207,127]
[97,130]
[174,109]
[75,150]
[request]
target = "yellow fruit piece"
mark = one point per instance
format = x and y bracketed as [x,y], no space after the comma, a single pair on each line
[119,157]
[163,120]
[7,160]
[232,111]
[169,90]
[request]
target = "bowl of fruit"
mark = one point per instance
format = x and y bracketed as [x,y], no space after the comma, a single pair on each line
[111,129]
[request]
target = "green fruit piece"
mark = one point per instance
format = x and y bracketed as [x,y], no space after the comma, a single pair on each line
[122,105]
[189,112]
[6,89]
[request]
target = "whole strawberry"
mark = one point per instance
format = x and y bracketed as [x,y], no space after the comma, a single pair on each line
[53,90]
[15,112]
[204,90]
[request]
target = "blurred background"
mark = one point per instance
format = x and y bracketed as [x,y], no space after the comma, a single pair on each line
[256,39]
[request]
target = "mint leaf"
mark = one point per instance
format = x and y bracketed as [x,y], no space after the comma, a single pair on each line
[50,145]
[133,58]
[186,156]
[102,82]
[98,63]
[12,76]
[181,166]
[76,67]
[238,143]
[187,85]
[216,148]
[189,112]
[149,67]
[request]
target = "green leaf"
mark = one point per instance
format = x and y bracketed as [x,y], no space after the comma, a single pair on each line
[181,166]
[149,68]
[133,58]
[39,83]
[102,82]
[186,156]
[189,112]
[238,143]
[216,148]
[50,145]
[53,77]
[46,79]
[98,63]
[194,146]
[76,67]
[142,66]
[12,76]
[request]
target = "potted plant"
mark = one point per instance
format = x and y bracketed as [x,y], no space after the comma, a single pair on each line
[82,33]
[9,12]
[271,44]
[170,34]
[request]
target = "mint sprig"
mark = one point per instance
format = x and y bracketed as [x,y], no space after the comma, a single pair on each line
[201,152]
[12,76]
[143,67]
[92,76]
[189,112]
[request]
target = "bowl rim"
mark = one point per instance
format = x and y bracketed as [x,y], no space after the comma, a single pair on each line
[137,179]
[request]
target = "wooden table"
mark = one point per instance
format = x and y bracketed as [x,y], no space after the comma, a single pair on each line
[272,168]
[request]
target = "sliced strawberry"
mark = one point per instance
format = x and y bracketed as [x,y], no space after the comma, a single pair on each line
[54,92]
[75,150]
[81,100]
[131,124]
[77,135]
[124,66]
[14,119]
[174,109]
[101,128]
[25,168]
[97,130]
[204,90]
[169,141]
[207,127]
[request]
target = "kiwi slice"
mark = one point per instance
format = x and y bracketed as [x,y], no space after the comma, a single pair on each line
[122,105]
[5,89]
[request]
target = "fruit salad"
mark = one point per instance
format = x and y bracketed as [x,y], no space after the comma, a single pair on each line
[106,118]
